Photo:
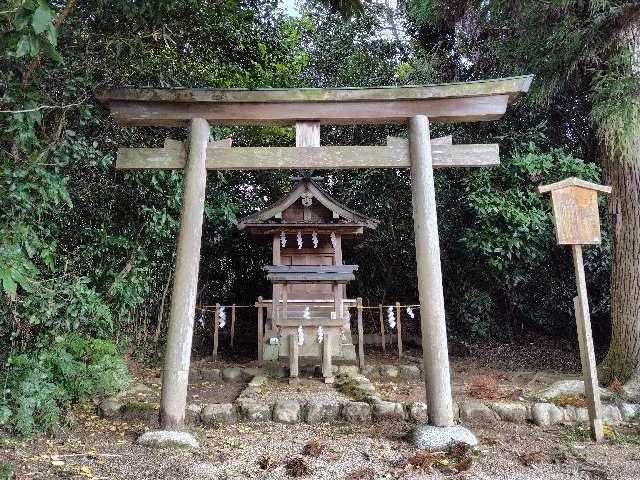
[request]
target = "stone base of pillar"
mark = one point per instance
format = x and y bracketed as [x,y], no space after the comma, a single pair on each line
[167,439]
[438,439]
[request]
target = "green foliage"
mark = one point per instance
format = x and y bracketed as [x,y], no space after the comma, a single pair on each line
[616,105]
[34,31]
[6,472]
[39,385]
[512,221]
[510,236]
[477,315]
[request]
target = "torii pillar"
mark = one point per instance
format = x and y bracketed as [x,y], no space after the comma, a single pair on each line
[177,356]
[433,326]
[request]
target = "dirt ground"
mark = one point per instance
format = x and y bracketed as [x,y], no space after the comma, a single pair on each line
[102,449]
[106,450]
[518,370]
[199,393]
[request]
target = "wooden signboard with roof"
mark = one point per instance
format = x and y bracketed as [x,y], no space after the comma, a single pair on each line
[577,222]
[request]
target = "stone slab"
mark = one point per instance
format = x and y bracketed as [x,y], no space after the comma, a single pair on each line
[547,414]
[287,411]
[210,375]
[438,439]
[477,412]
[254,411]
[569,387]
[410,371]
[356,412]
[418,412]
[232,375]
[388,411]
[215,413]
[322,411]
[167,439]
[510,411]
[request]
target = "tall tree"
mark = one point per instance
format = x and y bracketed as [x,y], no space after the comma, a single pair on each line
[586,58]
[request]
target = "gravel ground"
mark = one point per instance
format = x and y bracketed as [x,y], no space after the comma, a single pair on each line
[103,450]
[306,389]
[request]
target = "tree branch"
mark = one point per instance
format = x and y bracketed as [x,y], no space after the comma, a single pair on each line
[57,24]
[45,107]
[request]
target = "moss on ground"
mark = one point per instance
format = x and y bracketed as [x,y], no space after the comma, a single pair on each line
[139,407]
[351,389]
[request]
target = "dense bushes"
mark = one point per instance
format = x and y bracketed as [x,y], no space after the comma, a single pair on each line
[41,384]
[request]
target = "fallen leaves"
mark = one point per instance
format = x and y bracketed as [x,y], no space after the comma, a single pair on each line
[457,459]
[232,445]
[529,458]
[361,474]
[485,387]
[608,432]
[313,448]
[297,467]
[267,462]
[86,471]
[572,400]
[617,387]
[423,462]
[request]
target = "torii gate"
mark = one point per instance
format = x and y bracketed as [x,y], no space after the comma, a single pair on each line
[307,109]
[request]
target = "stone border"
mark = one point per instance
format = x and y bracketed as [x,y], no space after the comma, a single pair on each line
[369,406]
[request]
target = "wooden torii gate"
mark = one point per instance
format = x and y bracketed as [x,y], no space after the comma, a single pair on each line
[307,109]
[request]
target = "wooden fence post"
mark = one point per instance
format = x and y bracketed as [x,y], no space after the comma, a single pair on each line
[233,323]
[260,330]
[327,368]
[177,357]
[384,341]
[360,334]
[293,355]
[216,322]
[399,329]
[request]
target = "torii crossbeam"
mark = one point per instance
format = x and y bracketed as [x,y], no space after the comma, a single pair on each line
[307,109]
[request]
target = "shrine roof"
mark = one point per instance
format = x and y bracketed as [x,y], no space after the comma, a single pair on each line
[266,218]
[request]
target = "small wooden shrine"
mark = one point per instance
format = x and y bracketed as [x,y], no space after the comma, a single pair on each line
[308,315]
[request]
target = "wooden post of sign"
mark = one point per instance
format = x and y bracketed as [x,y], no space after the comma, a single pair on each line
[384,341]
[260,306]
[434,330]
[360,334]
[577,222]
[585,341]
[399,330]
[216,327]
[233,323]
[177,356]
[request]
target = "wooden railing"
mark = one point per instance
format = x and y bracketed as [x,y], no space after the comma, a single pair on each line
[261,304]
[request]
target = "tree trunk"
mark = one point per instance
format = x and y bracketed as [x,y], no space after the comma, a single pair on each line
[622,173]
[623,360]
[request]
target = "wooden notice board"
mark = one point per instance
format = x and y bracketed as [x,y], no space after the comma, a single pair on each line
[575,212]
